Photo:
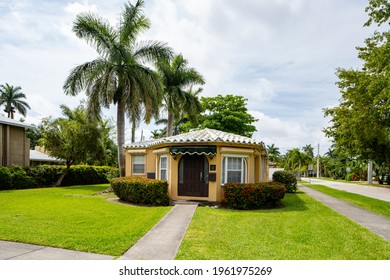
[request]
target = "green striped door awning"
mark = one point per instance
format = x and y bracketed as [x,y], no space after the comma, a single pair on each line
[194,150]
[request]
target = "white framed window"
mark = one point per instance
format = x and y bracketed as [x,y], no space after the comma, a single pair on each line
[138,164]
[163,168]
[234,169]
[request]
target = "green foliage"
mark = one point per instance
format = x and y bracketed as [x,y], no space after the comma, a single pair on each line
[177,78]
[359,125]
[120,75]
[253,196]
[287,179]
[46,175]
[15,178]
[273,153]
[141,190]
[5,178]
[348,177]
[226,113]
[11,96]
[296,159]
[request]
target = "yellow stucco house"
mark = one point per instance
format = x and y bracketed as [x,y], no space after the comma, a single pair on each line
[198,163]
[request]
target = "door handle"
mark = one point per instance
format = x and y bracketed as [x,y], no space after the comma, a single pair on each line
[201,176]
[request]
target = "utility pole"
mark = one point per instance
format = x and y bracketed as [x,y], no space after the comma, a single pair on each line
[318,160]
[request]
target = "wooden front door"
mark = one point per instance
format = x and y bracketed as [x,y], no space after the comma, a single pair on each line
[192,178]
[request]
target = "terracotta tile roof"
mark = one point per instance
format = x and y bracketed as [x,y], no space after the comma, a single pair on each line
[198,136]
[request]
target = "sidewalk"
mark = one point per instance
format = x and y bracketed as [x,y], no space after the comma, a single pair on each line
[369,191]
[21,251]
[163,241]
[376,223]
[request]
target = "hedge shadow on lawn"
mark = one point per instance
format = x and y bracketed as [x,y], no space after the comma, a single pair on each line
[291,202]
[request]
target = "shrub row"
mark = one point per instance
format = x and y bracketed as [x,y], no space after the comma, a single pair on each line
[141,190]
[46,175]
[253,196]
[15,178]
[287,179]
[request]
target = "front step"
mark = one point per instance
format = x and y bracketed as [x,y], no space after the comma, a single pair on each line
[191,202]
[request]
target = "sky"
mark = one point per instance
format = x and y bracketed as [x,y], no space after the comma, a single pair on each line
[281,55]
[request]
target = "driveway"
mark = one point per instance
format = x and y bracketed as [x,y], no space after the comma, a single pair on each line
[369,191]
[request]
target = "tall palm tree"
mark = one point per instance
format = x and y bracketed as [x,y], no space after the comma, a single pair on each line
[273,153]
[176,76]
[119,75]
[11,96]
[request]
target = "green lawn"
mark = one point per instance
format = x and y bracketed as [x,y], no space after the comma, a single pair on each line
[375,205]
[74,218]
[303,229]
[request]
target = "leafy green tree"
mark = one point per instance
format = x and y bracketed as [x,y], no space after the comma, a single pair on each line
[360,123]
[119,76]
[177,77]
[73,137]
[378,11]
[227,113]
[273,153]
[11,96]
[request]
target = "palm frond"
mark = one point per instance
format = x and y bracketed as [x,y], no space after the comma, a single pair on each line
[96,31]
[132,22]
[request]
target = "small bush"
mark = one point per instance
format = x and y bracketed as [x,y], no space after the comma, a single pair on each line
[253,196]
[5,178]
[348,177]
[141,190]
[287,179]
[20,179]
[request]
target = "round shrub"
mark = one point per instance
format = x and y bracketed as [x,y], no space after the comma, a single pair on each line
[141,190]
[253,196]
[287,179]
[5,178]
[20,179]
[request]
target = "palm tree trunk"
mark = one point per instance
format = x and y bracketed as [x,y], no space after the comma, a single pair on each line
[120,123]
[170,124]
[133,127]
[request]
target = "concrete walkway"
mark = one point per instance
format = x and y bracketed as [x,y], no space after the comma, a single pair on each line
[163,241]
[376,223]
[21,251]
[369,191]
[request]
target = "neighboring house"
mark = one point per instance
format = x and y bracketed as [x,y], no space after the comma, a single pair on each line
[39,157]
[14,144]
[198,163]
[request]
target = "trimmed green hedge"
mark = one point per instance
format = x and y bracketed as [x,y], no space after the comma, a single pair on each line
[287,179]
[253,196]
[141,190]
[46,175]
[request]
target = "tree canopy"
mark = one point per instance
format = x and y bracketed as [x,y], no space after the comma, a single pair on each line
[11,97]
[72,138]
[361,123]
[226,113]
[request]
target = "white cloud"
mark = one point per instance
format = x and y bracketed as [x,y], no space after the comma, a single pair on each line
[280,54]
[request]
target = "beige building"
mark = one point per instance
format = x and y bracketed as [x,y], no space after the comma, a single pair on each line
[198,163]
[14,144]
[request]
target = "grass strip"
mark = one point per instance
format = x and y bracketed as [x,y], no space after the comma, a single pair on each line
[377,206]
